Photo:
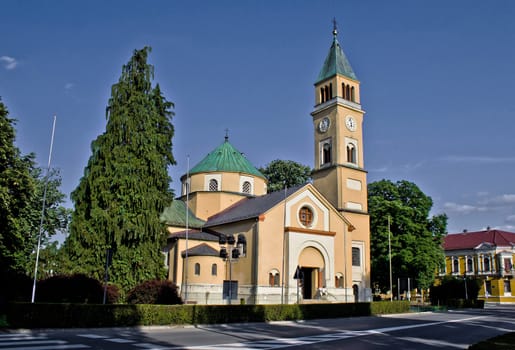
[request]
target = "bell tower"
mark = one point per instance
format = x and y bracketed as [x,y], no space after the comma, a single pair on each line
[339,172]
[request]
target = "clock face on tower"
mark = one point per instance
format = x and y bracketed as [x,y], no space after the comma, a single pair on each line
[350,123]
[323,126]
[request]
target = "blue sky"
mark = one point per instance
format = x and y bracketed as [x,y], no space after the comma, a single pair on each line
[437,83]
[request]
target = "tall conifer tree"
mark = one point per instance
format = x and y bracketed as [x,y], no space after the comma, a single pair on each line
[125,185]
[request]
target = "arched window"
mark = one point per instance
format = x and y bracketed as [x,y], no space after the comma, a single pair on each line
[352,96]
[486,263]
[331,91]
[273,278]
[214,270]
[246,187]
[343,91]
[347,92]
[213,185]
[322,95]
[338,280]
[455,265]
[351,153]
[197,269]
[326,152]
[470,265]
[306,216]
[326,93]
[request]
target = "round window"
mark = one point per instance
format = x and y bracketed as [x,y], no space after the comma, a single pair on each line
[306,216]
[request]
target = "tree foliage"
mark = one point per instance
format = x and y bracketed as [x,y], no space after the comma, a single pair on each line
[21,192]
[287,173]
[416,238]
[125,186]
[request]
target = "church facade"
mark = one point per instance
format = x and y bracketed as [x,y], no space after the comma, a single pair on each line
[232,242]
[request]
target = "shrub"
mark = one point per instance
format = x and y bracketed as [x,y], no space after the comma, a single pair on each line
[154,292]
[452,288]
[77,288]
[14,287]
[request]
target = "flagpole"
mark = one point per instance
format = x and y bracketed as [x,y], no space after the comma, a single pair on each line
[43,212]
[390,259]
[187,229]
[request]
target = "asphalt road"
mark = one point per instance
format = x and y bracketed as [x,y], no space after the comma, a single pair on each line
[446,330]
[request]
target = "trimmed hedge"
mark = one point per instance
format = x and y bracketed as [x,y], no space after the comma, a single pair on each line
[41,315]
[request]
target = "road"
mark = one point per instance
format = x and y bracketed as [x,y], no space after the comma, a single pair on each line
[446,330]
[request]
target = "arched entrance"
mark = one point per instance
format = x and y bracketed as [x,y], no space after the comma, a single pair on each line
[312,269]
[355,291]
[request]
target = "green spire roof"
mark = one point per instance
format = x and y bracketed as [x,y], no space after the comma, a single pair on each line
[226,158]
[336,62]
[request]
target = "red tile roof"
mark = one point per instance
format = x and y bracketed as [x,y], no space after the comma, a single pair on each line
[469,240]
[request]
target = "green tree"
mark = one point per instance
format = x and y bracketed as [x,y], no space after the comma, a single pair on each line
[288,173]
[16,187]
[56,219]
[125,186]
[416,238]
[21,193]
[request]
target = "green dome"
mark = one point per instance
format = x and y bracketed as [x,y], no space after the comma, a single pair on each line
[225,158]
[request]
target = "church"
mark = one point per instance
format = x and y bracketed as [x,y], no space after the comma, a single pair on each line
[229,241]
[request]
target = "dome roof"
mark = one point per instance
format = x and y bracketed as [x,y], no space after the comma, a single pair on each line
[225,158]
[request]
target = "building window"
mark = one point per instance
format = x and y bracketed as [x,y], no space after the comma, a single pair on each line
[470,265]
[356,256]
[273,278]
[352,95]
[486,263]
[455,265]
[338,280]
[214,270]
[507,265]
[507,287]
[306,216]
[213,185]
[197,269]
[351,153]
[326,152]
[246,187]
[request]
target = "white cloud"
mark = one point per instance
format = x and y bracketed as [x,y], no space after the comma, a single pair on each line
[502,200]
[463,208]
[510,218]
[69,86]
[8,62]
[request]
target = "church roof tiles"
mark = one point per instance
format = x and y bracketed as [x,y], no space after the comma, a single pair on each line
[336,63]
[226,158]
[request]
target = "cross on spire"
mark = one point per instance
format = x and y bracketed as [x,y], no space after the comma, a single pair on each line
[226,134]
[335,27]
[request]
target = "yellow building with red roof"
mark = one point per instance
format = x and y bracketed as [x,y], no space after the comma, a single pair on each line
[485,255]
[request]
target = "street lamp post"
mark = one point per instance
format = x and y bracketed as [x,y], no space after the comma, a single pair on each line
[230,251]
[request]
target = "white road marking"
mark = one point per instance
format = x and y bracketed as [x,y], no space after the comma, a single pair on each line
[288,342]
[433,342]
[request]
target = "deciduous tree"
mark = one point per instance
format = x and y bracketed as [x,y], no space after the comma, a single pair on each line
[416,237]
[281,173]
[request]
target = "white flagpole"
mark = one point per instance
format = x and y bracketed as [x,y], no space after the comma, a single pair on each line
[390,258]
[43,212]
[187,229]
